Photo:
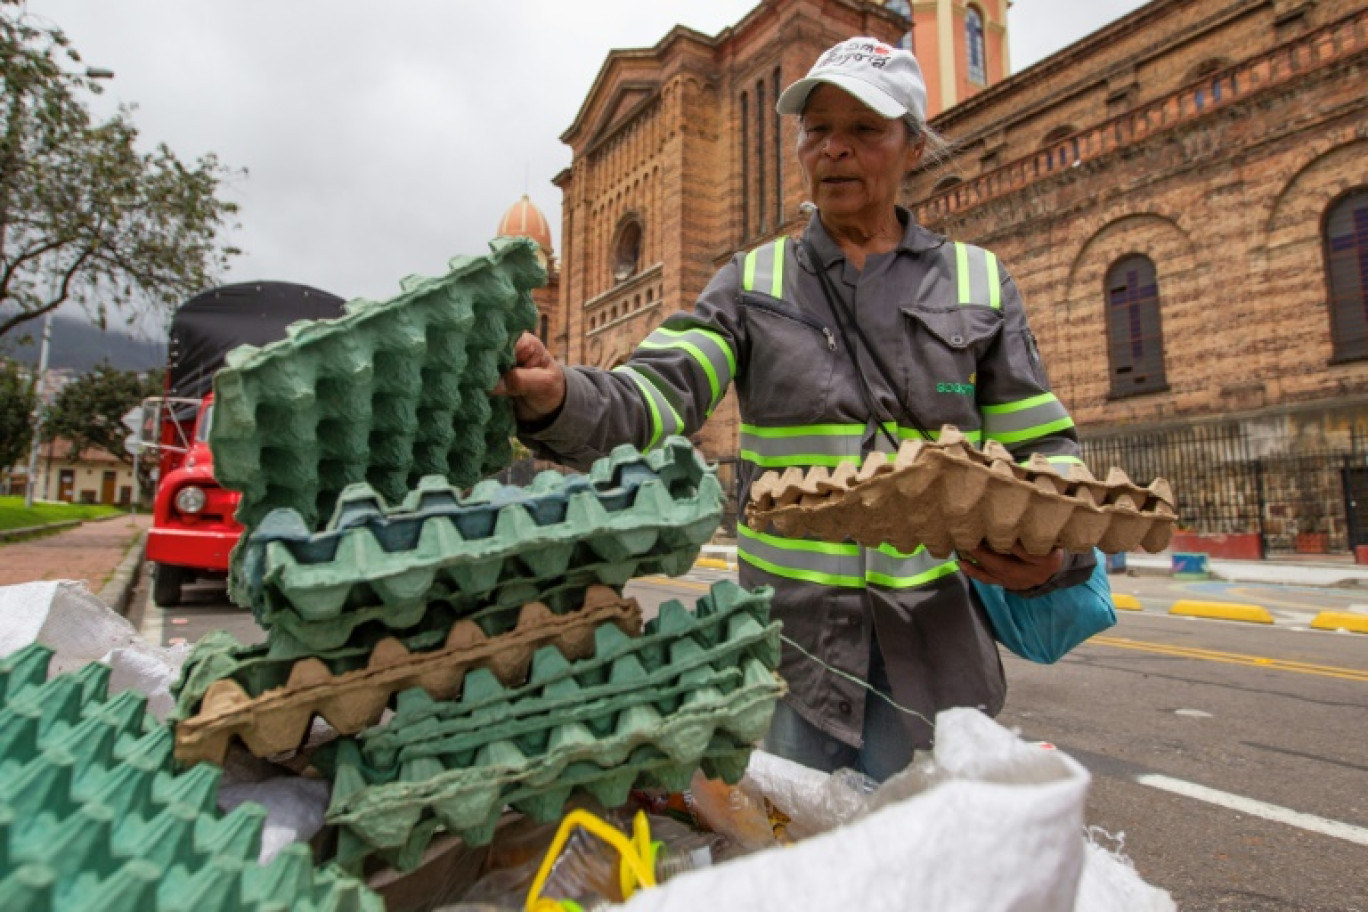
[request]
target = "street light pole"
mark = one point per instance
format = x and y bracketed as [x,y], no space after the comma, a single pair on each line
[39,409]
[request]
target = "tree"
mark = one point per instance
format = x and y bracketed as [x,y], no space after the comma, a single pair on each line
[17,400]
[84,215]
[89,409]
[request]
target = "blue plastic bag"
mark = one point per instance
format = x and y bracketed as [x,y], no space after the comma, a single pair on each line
[1044,628]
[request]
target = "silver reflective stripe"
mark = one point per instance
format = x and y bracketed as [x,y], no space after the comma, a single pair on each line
[801,445]
[820,444]
[763,269]
[798,559]
[980,281]
[707,348]
[891,569]
[665,421]
[845,565]
[1025,419]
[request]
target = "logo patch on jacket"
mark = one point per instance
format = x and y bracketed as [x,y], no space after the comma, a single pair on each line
[958,389]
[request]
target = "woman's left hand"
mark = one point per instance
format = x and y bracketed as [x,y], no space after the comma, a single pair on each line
[1014,572]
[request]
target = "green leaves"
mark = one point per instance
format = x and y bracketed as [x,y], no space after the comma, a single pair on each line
[88,409]
[84,214]
[16,410]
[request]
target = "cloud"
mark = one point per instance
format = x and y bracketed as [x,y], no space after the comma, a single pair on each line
[380,140]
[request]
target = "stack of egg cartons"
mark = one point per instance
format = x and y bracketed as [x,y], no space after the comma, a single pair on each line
[490,617]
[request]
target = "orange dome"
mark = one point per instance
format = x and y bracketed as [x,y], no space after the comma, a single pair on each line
[525,220]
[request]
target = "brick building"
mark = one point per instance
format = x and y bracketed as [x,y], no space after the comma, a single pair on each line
[1183,198]
[1192,158]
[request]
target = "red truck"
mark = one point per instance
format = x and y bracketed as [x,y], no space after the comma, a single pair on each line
[193,529]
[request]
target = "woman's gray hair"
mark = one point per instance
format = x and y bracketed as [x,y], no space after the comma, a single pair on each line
[938,150]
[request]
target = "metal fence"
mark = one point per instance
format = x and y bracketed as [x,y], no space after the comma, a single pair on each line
[1226,480]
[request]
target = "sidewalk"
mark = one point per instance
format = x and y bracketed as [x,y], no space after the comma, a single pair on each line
[91,552]
[1324,571]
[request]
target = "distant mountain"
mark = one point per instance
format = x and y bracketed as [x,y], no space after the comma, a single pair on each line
[79,345]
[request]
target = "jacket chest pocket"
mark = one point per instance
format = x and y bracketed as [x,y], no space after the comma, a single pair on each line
[789,366]
[946,345]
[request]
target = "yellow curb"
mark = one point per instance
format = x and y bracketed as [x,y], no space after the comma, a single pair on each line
[1126,602]
[712,563]
[1222,611]
[1341,620]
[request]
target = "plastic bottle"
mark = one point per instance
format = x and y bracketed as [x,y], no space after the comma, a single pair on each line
[587,871]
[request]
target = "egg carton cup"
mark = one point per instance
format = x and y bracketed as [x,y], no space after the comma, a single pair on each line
[633,516]
[93,813]
[727,627]
[949,496]
[387,393]
[278,719]
[691,690]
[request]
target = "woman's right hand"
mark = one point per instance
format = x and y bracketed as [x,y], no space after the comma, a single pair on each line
[536,383]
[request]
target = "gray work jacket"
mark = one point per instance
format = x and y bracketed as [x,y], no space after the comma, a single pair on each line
[942,339]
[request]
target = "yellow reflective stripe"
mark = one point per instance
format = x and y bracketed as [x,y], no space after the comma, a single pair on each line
[1007,408]
[800,559]
[794,573]
[975,437]
[910,582]
[804,430]
[839,549]
[655,399]
[748,272]
[706,347]
[777,285]
[962,271]
[994,282]
[1006,438]
[797,459]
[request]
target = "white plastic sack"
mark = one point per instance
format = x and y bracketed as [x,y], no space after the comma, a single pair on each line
[294,809]
[79,628]
[1000,828]
[65,617]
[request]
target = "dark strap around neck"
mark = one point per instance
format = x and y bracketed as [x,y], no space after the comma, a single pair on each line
[840,311]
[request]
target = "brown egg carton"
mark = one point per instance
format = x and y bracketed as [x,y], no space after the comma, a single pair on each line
[278,719]
[950,496]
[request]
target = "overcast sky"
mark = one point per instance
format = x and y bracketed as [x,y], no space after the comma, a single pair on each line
[379,140]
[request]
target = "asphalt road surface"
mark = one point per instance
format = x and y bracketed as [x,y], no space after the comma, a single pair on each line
[1229,760]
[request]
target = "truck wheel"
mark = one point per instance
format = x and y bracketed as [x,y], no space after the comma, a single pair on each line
[166,585]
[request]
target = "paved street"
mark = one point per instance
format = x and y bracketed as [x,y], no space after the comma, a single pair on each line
[90,552]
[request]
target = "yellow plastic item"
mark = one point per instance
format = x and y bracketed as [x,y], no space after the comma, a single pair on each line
[636,869]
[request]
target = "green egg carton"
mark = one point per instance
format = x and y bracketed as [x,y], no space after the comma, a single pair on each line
[633,515]
[389,392]
[696,688]
[94,815]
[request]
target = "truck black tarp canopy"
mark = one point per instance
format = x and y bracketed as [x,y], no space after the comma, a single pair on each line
[215,322]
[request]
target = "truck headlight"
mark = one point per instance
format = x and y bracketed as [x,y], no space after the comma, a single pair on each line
[190,499]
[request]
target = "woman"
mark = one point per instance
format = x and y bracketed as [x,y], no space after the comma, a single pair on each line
[869,330]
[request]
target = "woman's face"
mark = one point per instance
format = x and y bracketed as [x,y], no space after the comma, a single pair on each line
[853,160]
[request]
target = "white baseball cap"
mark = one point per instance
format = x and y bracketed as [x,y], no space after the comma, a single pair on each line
[885,78]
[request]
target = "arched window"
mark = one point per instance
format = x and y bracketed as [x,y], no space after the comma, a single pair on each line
[1135,339]
[1346,270]
[627,251]
[974,46]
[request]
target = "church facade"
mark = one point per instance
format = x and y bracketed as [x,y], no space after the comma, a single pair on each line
[1182,197]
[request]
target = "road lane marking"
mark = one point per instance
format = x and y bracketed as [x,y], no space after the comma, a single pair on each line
[153,622]
[1254,808]
[667,583]
[1234,658]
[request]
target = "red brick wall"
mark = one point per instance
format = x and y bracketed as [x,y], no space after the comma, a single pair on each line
[1227,201]
[676,164]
